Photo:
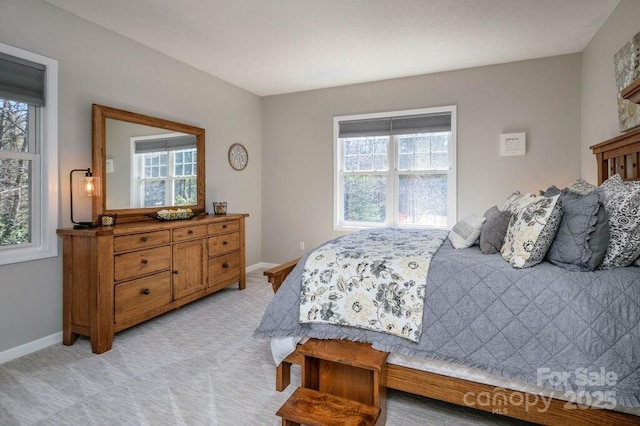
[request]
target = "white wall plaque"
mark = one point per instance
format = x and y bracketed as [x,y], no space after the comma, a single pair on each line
[513,144]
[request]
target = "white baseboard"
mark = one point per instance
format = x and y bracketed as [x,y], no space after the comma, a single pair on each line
[36,345]
[27,348]
[260,265]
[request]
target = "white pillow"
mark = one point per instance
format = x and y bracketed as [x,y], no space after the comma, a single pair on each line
[466,232]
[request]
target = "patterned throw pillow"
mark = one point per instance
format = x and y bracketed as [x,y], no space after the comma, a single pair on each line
[516,201]
[582,187]
[533,225]
[465,233]
[623,205]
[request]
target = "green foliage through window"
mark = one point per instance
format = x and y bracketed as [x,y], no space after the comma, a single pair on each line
[15,173]
[365,198]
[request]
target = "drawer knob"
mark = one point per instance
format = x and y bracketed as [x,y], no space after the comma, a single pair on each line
[143,239]
[224,243]
[190,231]
[224,226]
[146,291]
[225,265]
[144,261]
[175,272]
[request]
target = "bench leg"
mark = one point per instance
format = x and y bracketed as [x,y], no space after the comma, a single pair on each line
[283,376]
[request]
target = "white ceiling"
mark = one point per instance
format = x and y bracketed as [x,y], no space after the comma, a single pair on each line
[280,46]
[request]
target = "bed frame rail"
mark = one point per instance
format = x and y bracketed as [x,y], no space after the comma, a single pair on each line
[277,274]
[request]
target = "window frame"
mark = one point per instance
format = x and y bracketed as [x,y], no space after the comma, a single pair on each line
[44,178]
[393,173]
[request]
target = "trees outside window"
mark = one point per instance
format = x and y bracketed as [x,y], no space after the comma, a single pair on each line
[16,163]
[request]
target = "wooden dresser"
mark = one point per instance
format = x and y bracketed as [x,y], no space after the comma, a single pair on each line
[119,276]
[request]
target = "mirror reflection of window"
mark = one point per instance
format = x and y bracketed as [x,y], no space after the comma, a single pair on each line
[164,170]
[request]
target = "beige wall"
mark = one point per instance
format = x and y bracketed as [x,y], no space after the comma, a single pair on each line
[599,101]
[540,97]
[99,66]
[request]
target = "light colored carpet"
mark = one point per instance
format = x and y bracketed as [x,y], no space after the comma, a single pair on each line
[198,365]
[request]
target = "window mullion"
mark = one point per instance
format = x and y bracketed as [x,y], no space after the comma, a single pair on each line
[33,129]
[392,207]
[168,179]
[14,155]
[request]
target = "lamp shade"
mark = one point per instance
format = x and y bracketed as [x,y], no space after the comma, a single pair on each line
[89,186]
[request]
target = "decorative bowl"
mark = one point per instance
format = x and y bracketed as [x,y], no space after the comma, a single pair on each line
[171,214]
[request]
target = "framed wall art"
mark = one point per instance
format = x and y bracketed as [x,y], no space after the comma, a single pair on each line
[627,70]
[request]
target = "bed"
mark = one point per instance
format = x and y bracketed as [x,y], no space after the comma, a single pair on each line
[505,392]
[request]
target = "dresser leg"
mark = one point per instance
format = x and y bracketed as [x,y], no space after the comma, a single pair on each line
[69,338]
[100,345]
[242,282]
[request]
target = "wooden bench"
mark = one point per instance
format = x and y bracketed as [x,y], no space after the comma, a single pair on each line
[314,408]
[352,372]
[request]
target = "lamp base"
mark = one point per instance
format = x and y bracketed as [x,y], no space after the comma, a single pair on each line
[84,225]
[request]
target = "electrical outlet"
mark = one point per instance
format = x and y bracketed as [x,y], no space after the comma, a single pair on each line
[301,245]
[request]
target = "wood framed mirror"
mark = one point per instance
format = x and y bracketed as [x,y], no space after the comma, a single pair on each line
[146,164]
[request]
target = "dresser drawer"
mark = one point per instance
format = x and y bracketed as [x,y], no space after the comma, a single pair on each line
[224,243]
[141,262]
[224,270]
[142,295]
[189,232]
[138,241]
[220,227]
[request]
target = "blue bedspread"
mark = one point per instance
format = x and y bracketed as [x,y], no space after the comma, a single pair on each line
[565,330]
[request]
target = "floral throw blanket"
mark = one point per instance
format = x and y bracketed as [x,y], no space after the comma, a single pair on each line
[373,279]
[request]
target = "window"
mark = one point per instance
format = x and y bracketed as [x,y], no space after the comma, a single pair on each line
[395,169]
[165,169]
[28,155]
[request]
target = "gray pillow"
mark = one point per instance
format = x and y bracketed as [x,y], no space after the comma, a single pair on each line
[583,235]
[599,241]
[552,191]
[494,230]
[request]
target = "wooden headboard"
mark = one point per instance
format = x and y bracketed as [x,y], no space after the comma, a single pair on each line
[619,155]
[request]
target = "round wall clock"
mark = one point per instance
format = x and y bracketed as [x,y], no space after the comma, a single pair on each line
[238,156]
